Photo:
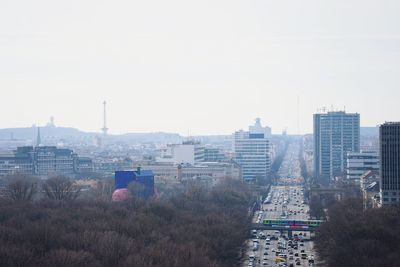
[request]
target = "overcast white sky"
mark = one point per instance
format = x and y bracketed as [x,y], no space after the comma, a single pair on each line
[206,66]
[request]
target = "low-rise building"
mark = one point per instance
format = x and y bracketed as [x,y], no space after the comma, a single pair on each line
[84,165]
[182,172]
[213,155]
[369,184]
[360,163]
[42,160]
[189,152]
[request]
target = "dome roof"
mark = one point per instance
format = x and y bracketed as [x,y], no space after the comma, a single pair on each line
[121,194]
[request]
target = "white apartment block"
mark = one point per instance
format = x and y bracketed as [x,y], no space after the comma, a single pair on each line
[360,163]
[252,152]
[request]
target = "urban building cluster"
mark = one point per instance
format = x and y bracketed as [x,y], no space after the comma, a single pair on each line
[336,150]
[337,155]
[44,161]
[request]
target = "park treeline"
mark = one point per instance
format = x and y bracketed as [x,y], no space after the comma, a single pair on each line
[357,237]
[196,228]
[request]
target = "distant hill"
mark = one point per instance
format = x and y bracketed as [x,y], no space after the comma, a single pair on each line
[54,133]
[47,131]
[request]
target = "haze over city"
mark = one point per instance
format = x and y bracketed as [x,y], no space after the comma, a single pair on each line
[204,67]
[212,133]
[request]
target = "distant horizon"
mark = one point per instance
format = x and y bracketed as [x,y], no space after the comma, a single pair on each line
[160,131]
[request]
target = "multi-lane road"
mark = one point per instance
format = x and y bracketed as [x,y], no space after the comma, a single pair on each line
[274,248]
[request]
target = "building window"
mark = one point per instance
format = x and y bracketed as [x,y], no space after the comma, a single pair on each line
[385,193]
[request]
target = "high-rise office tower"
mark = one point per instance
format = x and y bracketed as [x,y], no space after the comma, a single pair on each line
[335,134]
[252,152]
[389,140]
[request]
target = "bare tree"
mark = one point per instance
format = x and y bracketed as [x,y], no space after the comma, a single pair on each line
[104,189]
[21,187]
[61,188]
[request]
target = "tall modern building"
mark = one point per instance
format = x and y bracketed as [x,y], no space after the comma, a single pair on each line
[389,139]
[252,152]
[335,134]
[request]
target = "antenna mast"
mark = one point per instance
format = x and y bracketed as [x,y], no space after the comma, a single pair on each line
[105,129]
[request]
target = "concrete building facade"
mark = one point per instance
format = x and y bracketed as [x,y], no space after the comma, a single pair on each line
[360,163]
[43,161]
[213,155]
[252,152]
[182,172]
[189,152]
[335,134]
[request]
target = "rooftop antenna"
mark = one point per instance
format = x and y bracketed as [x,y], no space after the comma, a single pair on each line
[298,115]
[105,129]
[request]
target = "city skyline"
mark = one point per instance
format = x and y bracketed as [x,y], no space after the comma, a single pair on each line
[162,66]
[52,123]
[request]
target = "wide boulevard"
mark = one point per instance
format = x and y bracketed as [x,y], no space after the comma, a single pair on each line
[285,201]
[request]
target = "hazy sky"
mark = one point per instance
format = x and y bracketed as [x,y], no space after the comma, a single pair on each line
[203,67]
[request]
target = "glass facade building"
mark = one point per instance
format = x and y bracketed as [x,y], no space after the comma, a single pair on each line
[335,134]
[389,139]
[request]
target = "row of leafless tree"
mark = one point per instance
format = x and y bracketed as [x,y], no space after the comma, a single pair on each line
[195,228]
[357,237]
[27,188]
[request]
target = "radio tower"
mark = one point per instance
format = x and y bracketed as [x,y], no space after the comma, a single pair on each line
[105,129]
